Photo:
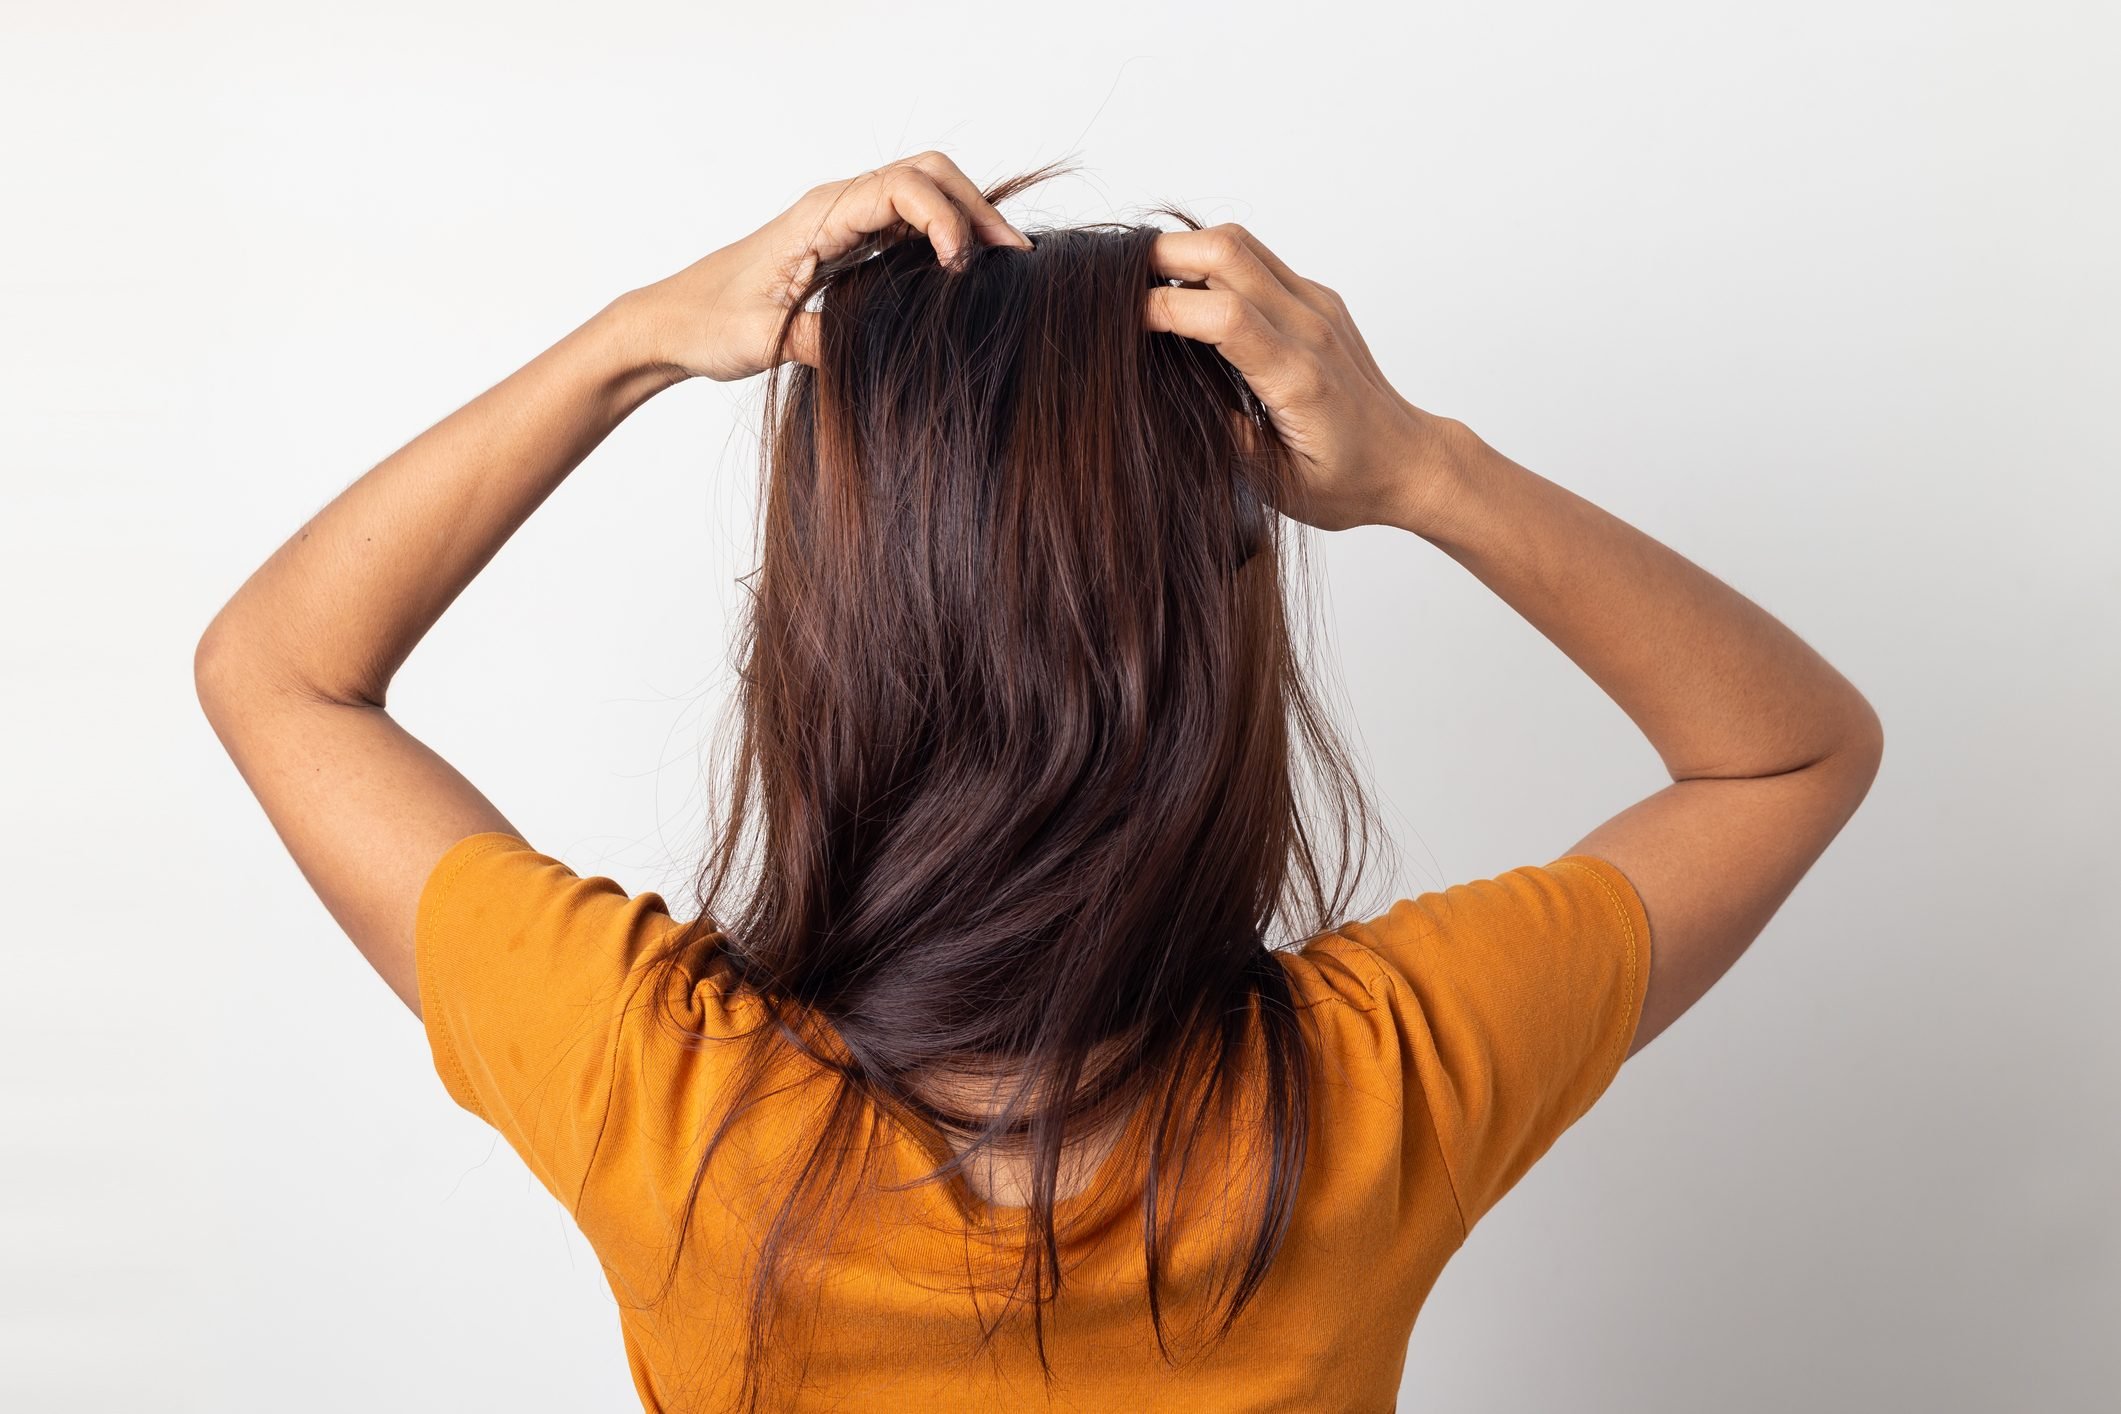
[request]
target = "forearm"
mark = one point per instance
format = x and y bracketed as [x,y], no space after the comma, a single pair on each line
[338,607]
[1718,685]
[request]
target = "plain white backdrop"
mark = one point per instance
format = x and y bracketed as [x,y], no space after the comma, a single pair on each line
[1821,295]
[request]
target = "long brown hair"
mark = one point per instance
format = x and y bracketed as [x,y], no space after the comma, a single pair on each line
[1018,784]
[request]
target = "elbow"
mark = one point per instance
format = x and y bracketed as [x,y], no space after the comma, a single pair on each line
[1864,751]
[234,670]
[1873,730]
[212,668]
[227,669]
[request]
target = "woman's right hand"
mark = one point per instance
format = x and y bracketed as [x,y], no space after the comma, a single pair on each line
[1369,457]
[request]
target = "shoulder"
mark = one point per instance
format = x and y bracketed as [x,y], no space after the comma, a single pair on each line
[1335,971]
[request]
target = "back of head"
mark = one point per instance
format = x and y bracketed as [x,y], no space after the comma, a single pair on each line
[1020,711]
[1017,689]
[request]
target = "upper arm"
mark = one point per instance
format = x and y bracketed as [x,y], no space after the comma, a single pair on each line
[1513,998]
[1713,859]
[364,807]
[542,1018]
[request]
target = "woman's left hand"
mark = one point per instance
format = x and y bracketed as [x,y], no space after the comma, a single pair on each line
[717,317]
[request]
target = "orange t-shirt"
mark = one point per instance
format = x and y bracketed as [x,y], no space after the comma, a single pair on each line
[1462,1032]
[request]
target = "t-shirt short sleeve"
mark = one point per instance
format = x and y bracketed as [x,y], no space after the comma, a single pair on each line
[529,994]
[1519,996]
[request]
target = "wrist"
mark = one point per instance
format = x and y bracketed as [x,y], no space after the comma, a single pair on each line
[1436,467]
[636,333]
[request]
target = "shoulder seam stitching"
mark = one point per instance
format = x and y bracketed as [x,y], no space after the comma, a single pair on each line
[1627,922]
[1376,972]
[429,965]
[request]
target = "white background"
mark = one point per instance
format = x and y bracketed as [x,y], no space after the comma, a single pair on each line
[1821,295]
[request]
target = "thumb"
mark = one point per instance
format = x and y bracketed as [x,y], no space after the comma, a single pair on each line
[802,342]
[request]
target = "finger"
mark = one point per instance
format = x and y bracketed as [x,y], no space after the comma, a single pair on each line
[802,343]
[1224,259]
[991,226]
[1296,284]
[1320,300]
[908,194]
[1234,325]
[800,279]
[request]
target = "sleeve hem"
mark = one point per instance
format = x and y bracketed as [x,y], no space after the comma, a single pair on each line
[1635,925]
[427,967]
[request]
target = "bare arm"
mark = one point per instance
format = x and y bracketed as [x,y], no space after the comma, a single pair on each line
[293,672]
[1770,750]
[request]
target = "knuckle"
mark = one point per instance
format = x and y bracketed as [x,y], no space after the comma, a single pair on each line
[931,167]
[1223,247]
